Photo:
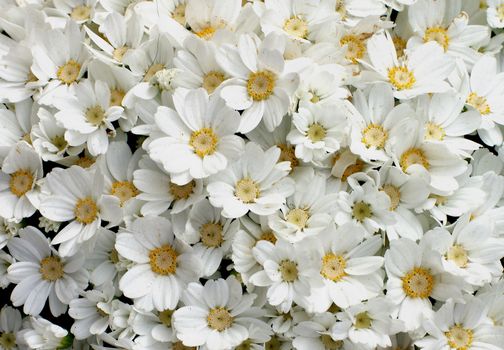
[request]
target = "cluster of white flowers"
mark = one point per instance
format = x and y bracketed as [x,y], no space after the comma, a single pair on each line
[228,174]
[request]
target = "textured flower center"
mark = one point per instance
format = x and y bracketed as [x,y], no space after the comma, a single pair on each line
[116,96]
[479,103]
[114,256]
[355,47]
[298,217]
[361,211]
[288,270]
[315,98]
[418,283]
[212,80]
[59,142]
[211,234]
[84,162]
[394,195]
[459,338]
[434,132]
[163,260]
[80,13]
[316,132]
[51,268]
[8,341]
[219,319]
[333,267]
[374,135]
[203,142]
[247,190]
[458,255]
[119,53]
[268,236]
[439,35]
[179,346]
[178,14]
[413,156]
[363,321]
[124,190]
[95,115]
[182,192]
[206,33]
[401,78]
[288,154]
[260,85]
[152,70]
[69,72]
[400,45]
[166,317]
[440,200]
[297,27]
[273,344]
[20,182]
[85,210]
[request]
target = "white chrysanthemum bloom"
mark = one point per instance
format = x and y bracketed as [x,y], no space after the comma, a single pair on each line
[365,206]
[282,323]
[154,329]
[41,334]
[77,195]
[92,312]
[210,234]
[424,70]
[314,333]
[415,274]
[160,11]
[200,133]
[41,274]
[367,323]
[470,251]
[87,115]
[10,325]
[374,120]
[6,260]
[318,130]
[351,11]
[15,125]
[461,326]
[344,164]
[159,192]
[19,192]
[256,183]
[216,315]
[162,267]
[287,272]
[262,86]
[79,11]
[8,230]
[259,335]
[495,13]
[307,212]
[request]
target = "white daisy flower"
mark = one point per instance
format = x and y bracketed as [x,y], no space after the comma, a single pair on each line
[15,125]
[41,334]
[351,11]
[162,267]
[314,333]
[161,11]
[10,325]
[40,274]
[155,329]
[6,260]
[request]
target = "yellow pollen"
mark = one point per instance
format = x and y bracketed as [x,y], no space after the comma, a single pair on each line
[31,77]
[219,319]
[119,53]
[413,156]
[163,260]
[59,142]
[180,346]
[316,132]
[20,182]
[341,8]
[363,321]
[479,103]
[85,211]
[400,45]
[206,33]
[153,69]
[459,338]
[440,200]
[458,255]
[84,162]
[288,269]
[116,97]
[166,317]
[244,345]
[8,341]
[296,27]
[211,234]
[418,283]
[394,194]
[329,343]
[182,192]
[361,211]
[315,98]
[212,80]
[333,267]
[268,236]
[69,72]
[355,47]
[114,256]
[124,190]
[298,217]
[434,132]
[247,190]
[288,154]
[351,169]
[401,78]
[483,5]
[51,268]
[374,135]
[95,115]
[260,85]
[273,344]
[178,14]
[203,142]
[439,35]
[80,13]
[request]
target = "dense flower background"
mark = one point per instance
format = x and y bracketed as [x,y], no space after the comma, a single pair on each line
[228,174]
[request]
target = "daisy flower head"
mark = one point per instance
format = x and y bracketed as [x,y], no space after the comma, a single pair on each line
[40,333]
[314,333]
[10,325]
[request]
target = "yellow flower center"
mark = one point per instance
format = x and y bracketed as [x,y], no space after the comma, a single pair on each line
[166,317]
[206,33]
[333,267]
[95,115]
[288,154]
[500,12]
[316,132]
[315,98]
[247,190]
[479,103]
[418,283]
[363,321]
[394,194]
[361,211]
[116,97]
[413,156]
[20,182]
[179,346]
[219,319]
[114,256]
[124,190]
[212,80]
[483,5]
[211,234]
[401,78]
[350,169]
[69,72]
[31,77]
[459,338]
[458,255]
[163,260]
[51,268]
[268,236]
[204,142]
[288,270]
[440,200]
[85,210]
[119,53]
[8,341]
[273,344]
[298,217]
[84,162]
[260,85]
[297,27]
[153,69]
[341,8]
[182,192]
[400,45]
[374,135]
[355,47]
[80,13]
[434,132]
[439,35]
[59,142]
[329,343]
[178,14]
